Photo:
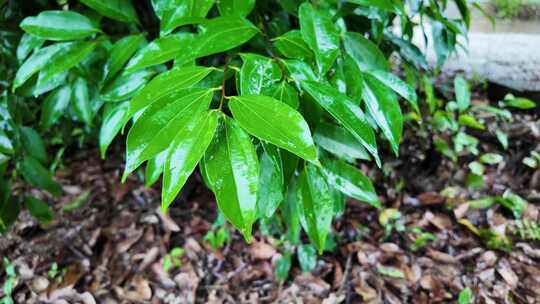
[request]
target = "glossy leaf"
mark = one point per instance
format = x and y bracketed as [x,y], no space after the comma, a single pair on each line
[33,144]
[283,92]
[154,168]
[351,181]
[399,86]
[161,50]
[120,53]
[320,34]
[353,79]
[59,25]
[346,112]
[27,44]
[81,101]
[36,175]
[307,256]
[233,171]
[112,123]
[6,147]
[386,5]
[364,52]
[292,45]
[155,129]
[270,181]
[45,85]
[39,210]
[299,70]
[185,151]
[463,93]
[65,59]
[240,8]
[120,10]
[275,122]
[175,13]
[126,86]
[339,142]
[54,106]
[316,205]
[383,107]
[257,73]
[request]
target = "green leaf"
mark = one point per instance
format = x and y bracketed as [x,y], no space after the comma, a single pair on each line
[66,58]
[161,50]
[9,212]
[120,10]
[340,142]
[386,5]
[364,52]
[283,92]
[81,101]
[37,62]
[113,122]
[55,106]
[502,138]
[59,25]
[120,53]
[27,44]
[240,8]
[307,256]
[351,181]
[33,144]
[185,151]
[270,181]
[292,45]
[53,82]
[316,205]
[463,93]
[321,35]
[154,168]
[283,266]
[39,210]
[353,79]
[156,128]
[233,171]
[36,175]
[398,86]
[291,216]
[175,13]
[382,105]
[346,112]
[275,122]
[257,73]
[300,70]
[519,102]
[6,147]
[126,86]
[465,296]
[470,121]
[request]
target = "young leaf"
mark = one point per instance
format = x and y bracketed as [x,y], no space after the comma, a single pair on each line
[382,105]
[240,8]
[120,10]
[292,45]
[39,210]
[257,73]
[81,101]
[54,106]
[27,44]
[346,112]
[185,151]
[339,142]
[59,25]
[156,128]
[36,175]
[316,205]
[120,53]
[233,172]
[320,34]
[275,122]
[364,52]
[351,181]
[463,93]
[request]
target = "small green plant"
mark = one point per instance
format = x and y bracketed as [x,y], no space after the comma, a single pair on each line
[533,160]
[422,237]
[219,235]
[465,296]
[173,259]
[391,220]
[527,230]
[9,283]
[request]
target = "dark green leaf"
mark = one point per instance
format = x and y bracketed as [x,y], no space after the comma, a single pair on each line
[120,10]
[257,73]
[292,45]
[54,106]
[286,128]
[283,266]
[383,107]
[6,147]
[233,172]
[39,210]
[339,142]
[9,212]
[185,151]
[126,86]
[113,121]
[351,181]
[120,53]
[240,8]
[59,25]
[321,35]
[81,101]
[270,181]
[364,52]
[33,144]
[353,79]
[316,205]
[36,175]
[346,112]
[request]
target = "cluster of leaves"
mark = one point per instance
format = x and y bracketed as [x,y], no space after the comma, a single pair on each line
[276,101]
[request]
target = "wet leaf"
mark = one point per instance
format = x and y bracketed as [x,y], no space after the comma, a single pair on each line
[257,73]
[340,142]
[59,25]
[240,8]
[39,210]
[307,256]
[120,10]
[120,53]
[28,44]
[175,13]
[292,45]
[364,52]
[55,105]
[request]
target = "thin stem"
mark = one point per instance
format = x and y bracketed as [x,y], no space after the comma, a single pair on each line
[225,68]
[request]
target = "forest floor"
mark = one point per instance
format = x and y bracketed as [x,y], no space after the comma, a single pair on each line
[108,241]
